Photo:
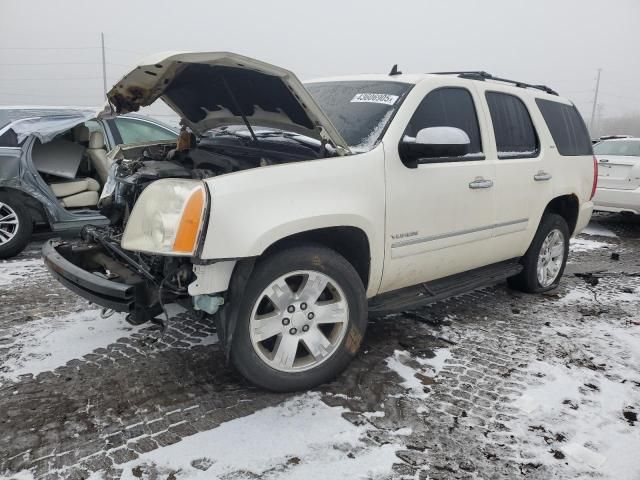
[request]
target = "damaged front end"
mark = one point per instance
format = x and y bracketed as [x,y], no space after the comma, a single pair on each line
[100,270]
[237,114]
[143,259]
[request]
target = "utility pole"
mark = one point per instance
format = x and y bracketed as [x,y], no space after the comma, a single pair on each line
[595,102]
[104,67]
[598,124]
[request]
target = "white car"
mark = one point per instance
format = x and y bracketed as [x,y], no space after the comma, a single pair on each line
[293,210]
[618,175]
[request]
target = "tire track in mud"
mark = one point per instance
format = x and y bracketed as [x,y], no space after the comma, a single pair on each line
[117,402]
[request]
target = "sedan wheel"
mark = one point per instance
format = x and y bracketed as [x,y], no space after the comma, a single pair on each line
[16,224]
[9,223]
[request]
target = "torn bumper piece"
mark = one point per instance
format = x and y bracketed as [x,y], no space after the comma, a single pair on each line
[83,270]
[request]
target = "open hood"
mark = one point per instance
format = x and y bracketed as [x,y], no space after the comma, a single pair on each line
[214,89]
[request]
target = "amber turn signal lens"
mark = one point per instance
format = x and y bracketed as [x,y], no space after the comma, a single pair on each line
[189,227]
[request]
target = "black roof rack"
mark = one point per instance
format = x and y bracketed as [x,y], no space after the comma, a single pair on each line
[482,76]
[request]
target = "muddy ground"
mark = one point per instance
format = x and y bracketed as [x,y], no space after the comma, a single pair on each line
[474,415]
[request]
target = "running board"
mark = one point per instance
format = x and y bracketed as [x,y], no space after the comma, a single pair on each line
[436,290]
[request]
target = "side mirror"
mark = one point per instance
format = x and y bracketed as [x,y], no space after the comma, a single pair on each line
[435,142]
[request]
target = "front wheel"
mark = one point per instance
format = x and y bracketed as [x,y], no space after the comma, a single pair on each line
[546,258]
[301,319]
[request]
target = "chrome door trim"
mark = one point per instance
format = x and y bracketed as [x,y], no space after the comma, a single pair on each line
[415,241]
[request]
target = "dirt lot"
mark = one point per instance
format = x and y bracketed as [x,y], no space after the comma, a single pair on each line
[494,384]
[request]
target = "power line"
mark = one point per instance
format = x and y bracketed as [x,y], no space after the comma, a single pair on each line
[124,50]
[51,64]
[15,94]
[73,48]
[48,78]
[32,90]
[64,63]
[120,50]
[622,97]
[49,48]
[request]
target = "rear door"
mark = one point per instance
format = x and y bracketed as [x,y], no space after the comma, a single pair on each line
[618,164]
[523,171]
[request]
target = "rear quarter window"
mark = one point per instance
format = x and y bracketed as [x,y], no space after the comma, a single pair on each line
[567,128]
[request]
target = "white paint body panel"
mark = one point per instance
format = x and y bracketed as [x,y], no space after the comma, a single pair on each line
[435,201]
[422,223]
[252,209]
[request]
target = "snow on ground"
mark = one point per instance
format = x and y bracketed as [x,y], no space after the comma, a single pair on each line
[598,231]
[18,270]
[23,475]
[415,371]
[585,245]
[48,343]
[302,438]
[581,406]
[576,295]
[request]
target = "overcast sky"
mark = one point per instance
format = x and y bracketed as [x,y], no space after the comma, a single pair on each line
[49,49]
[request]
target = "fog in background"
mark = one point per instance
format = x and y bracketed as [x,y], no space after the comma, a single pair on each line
[50,55]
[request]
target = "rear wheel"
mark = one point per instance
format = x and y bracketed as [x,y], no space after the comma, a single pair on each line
[301,320]
[546,258]
[16,225]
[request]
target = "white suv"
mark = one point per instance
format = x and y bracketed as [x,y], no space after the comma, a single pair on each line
[290,211]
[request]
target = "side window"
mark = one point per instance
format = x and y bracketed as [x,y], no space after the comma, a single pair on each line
[515,135]
[449,107]
[96,126]
[93,126]
[566,126]
[136,131]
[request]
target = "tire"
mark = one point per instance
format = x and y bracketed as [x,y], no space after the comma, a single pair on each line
[342,304]
[14,237]
[528,280]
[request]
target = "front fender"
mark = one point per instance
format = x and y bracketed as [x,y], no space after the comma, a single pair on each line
[252,209]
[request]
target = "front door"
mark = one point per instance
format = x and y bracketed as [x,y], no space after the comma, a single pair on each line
[439,217]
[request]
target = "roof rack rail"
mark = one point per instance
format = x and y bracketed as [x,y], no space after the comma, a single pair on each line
[482,76]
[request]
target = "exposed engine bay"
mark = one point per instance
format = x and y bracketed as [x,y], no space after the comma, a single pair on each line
[221,151]
[160,279]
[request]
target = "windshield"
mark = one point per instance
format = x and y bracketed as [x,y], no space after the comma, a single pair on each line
[360,110]
[618,147]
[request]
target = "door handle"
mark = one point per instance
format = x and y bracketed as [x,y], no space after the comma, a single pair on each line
[542,176]
[481,183]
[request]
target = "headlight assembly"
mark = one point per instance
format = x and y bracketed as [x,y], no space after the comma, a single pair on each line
[168,218]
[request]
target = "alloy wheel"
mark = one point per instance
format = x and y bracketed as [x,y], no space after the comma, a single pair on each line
[299,321]
[550,258]
[9,223]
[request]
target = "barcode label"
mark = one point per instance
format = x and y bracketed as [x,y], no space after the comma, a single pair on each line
[383,98]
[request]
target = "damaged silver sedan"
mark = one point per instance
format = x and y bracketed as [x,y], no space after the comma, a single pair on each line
[54,165]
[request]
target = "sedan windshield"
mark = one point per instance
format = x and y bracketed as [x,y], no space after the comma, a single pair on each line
[360,110]
[618,147]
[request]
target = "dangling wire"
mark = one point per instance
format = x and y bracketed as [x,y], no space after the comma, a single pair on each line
[164,325]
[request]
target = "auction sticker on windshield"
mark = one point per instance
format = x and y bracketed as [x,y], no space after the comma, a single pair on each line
[383,98]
